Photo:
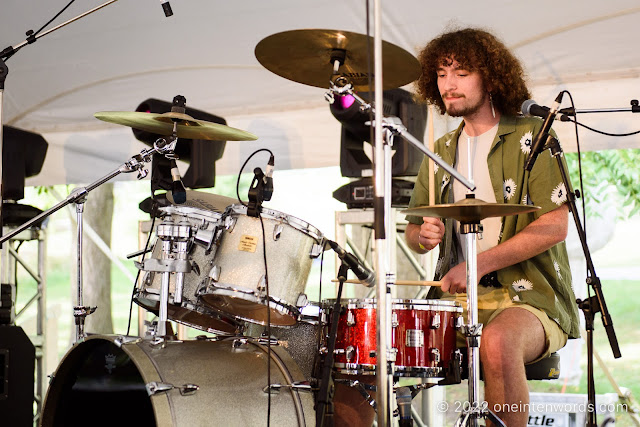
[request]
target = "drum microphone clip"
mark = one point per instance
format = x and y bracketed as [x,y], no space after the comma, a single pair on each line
[261,188]
[365,275]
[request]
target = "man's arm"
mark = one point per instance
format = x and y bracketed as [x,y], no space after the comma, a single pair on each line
[543,233]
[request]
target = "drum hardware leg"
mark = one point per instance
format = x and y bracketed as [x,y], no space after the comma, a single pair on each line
[324,400]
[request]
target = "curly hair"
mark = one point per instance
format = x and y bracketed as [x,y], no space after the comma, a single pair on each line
[475,50]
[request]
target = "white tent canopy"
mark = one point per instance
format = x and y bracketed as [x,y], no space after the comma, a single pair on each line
[128,51]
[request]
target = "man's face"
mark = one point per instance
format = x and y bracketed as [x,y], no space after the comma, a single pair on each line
[462,91]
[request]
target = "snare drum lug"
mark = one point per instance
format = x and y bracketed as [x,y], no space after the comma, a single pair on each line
[435,323]
[277,231]
[436,355]
[351,320]
[350,353]
[302,300]
[229,223]
[316,250]
[394,320]
[261,289]
[459,323]
[204,238]
[214,274]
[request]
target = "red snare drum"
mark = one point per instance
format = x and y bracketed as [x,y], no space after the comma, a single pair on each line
[423,336]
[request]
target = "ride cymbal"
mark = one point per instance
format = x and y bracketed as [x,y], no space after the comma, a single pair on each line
[470,210]
[188,127]
[307,56]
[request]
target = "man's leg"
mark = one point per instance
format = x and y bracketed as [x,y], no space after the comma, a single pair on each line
[513,338]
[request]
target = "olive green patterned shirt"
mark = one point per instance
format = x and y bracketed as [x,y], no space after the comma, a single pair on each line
[543,281]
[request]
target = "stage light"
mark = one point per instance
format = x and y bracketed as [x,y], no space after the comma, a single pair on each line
[396,102]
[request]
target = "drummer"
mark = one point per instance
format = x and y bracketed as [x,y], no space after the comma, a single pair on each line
[525,299]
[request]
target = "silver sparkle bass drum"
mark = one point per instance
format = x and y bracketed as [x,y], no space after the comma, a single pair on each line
[112,381]
[237,283]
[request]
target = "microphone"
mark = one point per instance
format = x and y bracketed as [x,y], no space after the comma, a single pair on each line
[531,108]
[178,192]
[363,273]
[167,8]
[541,137]
[403,398]
[268,179]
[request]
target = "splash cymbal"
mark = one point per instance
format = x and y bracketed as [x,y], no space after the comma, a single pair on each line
[306,56]
[470,210]
[162,124]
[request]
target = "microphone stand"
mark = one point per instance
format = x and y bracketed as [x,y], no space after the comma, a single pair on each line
[79,196]
[80,311]
[324,402]
[593,304]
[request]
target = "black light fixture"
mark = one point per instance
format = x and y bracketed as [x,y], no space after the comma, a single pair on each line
[396,102]
[23,155]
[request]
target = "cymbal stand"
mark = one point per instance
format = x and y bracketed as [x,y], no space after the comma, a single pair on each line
[340,85]
[473,331]
[79,196]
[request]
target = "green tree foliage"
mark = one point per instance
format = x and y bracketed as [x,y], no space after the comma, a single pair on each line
[619,169]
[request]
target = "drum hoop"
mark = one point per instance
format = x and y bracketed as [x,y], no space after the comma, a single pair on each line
[418,371]
[193,212]
[294,222]
[407,304]
[275,303]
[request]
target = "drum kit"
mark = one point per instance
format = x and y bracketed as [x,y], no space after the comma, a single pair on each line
[218,267]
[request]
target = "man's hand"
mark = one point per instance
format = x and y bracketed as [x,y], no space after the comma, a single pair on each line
[425,237]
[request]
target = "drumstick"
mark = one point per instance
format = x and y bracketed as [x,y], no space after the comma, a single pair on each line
[430,143]
[402,282]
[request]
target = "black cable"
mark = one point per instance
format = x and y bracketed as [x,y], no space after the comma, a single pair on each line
[52,19]
[600,131]
[242,168]
[42,28]
[135,283]
[266,280]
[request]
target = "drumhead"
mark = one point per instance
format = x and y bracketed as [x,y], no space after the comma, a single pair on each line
[102,381]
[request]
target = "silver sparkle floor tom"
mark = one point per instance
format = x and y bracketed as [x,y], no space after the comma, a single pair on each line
[111,381]
[302,341]
[237,284]
[188,309]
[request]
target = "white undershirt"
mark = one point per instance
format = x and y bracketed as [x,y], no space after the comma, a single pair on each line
[477,149]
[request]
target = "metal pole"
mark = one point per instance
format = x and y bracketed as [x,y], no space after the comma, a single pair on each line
[384,379]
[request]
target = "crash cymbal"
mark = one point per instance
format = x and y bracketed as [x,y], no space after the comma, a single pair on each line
[470,210]
[188,127]
[305,56]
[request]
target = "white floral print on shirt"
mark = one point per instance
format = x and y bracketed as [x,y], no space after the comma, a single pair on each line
[522,285]
[509,188]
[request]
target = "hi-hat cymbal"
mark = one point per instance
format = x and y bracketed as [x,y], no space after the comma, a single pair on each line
[305,56]
[188,127]
[470,210]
